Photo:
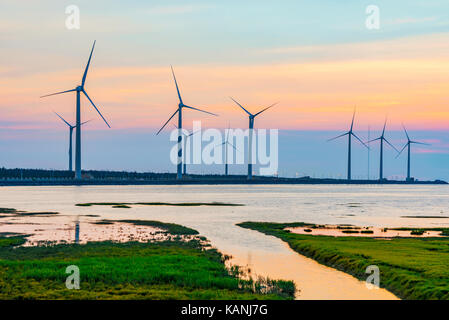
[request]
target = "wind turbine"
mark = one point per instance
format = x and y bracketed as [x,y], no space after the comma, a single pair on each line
[178,111]
[226,143]
[382,139]
[250,137]
[350,134]
[78,91]
[186,136]
[408,144]
[70,138]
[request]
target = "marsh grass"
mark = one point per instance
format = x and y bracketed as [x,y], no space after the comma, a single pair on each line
[444,231]
[350,231]
[171,228]
[11,212]
[426,217]
[412,268]
[181,204]
[9,240]
[131,270]
[123,206]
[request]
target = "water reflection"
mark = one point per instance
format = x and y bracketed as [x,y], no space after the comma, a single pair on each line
[77,230]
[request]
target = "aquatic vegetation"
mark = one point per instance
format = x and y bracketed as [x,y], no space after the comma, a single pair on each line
[11,212]
[181,204]
[412,268]
[350,231]
[444,231]
[102,222]
[131,270]
[171,228]
[36,213]
[8,240]
[426,217]
[8,210]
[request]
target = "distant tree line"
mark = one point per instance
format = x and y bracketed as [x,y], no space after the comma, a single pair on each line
[44,174]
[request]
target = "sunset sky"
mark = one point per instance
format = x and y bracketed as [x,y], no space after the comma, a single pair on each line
[318,60]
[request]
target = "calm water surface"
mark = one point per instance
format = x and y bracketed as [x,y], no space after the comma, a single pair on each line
[382,206]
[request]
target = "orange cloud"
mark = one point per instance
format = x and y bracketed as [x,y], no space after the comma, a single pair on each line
[313,95]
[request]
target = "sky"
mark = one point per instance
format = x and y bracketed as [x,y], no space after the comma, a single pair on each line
[316,58]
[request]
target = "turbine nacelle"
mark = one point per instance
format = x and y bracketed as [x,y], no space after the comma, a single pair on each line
[80,88]
[181,105]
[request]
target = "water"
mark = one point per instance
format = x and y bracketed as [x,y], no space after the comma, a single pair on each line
[380,206]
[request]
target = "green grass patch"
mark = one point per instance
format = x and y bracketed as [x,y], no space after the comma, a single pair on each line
[7,212]
[444,231]
[411,268]
[181,204]
[350,231]
[426,217]
[123,206]
[7,241]
[132,270]
[172,228]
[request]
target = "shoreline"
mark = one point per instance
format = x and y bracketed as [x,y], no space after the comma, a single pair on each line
[416,279]
[256,181]
[179,265]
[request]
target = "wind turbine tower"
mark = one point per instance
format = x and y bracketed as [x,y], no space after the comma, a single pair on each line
[350,134]
[382,139]
[71,127]
[250,137]
[80,89]
[178,111]
[227,144]
[407,145]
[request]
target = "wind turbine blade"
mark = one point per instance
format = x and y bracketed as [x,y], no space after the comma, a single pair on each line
[167,121]
[87,66]
[200,110]
[391,145]
[227,134]
[416,142]
[85,122]
[63,119]
[265,109]
[406,133]
[176,83]
[53,94]
[87,96]
[232,146]
[174,125]
[193,133]
[342,135]
[352,122]
[220,144]
[402,150]
[355,136]
[374,140]
[249,113]
[385,124]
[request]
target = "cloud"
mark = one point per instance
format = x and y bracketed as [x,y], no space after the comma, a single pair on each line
[410,20]
[434,45]
[430,151]
[176,9]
